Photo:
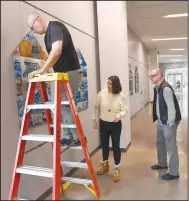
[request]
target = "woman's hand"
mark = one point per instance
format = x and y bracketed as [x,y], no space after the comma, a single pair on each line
[116,119]
[94,124]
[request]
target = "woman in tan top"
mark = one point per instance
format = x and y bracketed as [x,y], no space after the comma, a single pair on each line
[110,107]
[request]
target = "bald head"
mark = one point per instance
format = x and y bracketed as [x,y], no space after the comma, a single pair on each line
[31,17]
[156,76]
[37,23]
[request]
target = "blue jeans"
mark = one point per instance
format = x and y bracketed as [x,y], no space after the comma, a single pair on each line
[75,78]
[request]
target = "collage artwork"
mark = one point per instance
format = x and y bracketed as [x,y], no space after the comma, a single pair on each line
[29,56]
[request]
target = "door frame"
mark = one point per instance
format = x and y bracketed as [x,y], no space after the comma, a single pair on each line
[174,81]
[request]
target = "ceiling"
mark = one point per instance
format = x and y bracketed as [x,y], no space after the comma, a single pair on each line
[144,18]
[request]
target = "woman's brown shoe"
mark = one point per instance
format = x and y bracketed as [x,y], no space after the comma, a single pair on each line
[104,168]
[116,175]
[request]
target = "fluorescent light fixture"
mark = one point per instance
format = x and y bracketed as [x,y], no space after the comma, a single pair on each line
[170,55]
[176,59]
[177,49]
[182,38]
[176,15]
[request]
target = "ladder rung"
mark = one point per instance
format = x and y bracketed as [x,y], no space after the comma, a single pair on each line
[64,102]
[66,125]
[41,106]
[21,199]
[73,147]
[77,180]
[38,137]
[36,171]
[74,164]
[47,105]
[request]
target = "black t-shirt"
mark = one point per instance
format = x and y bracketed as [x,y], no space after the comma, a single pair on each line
[68,60]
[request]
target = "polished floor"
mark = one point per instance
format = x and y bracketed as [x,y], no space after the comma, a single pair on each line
[138,181]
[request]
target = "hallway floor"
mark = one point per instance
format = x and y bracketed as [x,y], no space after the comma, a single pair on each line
[138,181]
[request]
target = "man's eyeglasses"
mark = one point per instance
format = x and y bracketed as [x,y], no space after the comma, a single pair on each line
[152,76]
[33,23]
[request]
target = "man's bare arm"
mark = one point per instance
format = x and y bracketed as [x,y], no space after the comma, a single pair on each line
[53,56]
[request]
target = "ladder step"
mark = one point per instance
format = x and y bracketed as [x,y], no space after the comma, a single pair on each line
[38,137]
[64,102]
[74,164]
[47,105]
[77,180]
[41,106]
[66,125]
[21,199]
[73,147]
[36,171]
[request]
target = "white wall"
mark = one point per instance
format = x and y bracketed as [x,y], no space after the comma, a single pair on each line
[79,14]
[138,56]
[13,29]
[113,51]
[153,64]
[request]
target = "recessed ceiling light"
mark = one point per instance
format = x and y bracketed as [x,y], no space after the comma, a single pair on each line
[170,55]
[182,38]
[176,15]
[177,49]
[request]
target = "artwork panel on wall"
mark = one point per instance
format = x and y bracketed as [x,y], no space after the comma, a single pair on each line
[29,56]
[136,80]
[130,80]
[81,98]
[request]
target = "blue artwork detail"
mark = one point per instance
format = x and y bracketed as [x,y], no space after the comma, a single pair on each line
[22,67]
[31,37]
[81,97]
[17,68]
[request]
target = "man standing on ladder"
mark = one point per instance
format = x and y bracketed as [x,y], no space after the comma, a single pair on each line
[62,58]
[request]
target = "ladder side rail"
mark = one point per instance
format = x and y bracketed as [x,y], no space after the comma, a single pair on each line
[44,97]
[81,135]
[22,143]
[56,148]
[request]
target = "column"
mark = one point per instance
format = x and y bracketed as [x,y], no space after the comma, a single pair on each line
[113,52]
[153,60]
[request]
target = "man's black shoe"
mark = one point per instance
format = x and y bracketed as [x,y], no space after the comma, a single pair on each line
[169,177]
[65,142]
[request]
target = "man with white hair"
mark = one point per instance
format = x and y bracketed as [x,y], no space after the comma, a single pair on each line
[166,110]
[62,57]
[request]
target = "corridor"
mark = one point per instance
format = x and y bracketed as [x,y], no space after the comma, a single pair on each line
[138,181]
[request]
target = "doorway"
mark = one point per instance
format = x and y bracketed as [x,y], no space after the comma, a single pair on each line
[175,80]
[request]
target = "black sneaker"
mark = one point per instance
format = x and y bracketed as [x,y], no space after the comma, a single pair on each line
[169,176]
[78,143]
[65,142]
[158,167]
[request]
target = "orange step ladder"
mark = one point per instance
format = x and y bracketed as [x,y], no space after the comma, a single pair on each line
[59,182]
